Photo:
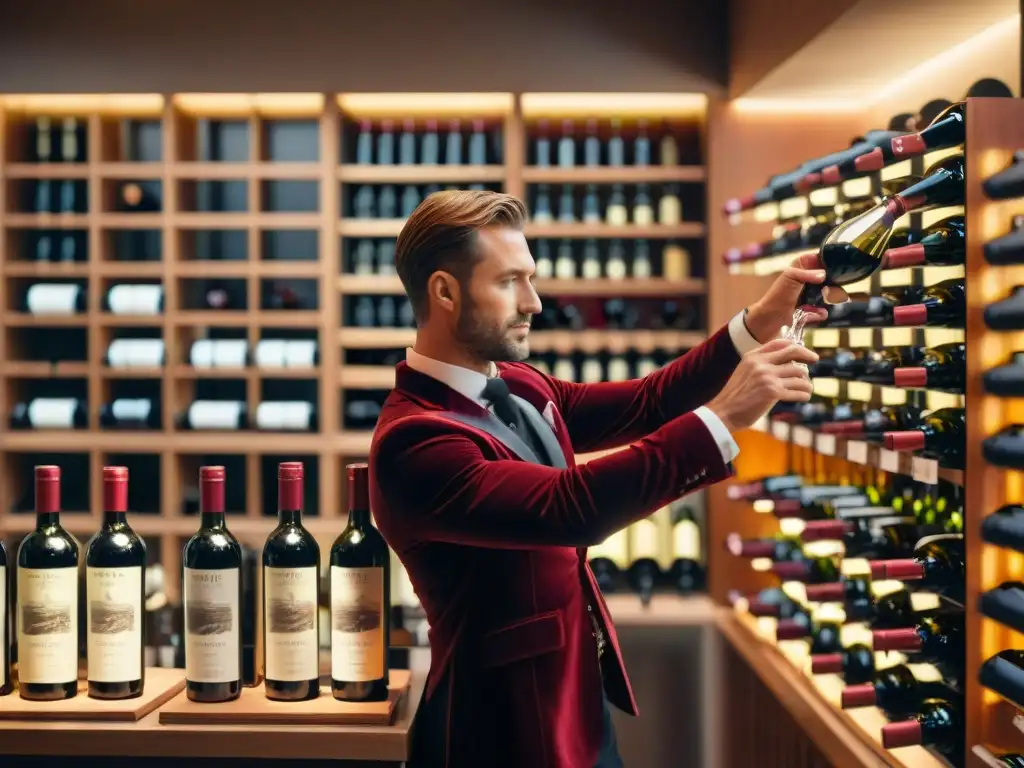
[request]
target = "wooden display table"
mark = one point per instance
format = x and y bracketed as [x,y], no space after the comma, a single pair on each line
[383,746]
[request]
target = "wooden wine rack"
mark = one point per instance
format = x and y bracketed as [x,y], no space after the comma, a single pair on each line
[177,452]
[994,132]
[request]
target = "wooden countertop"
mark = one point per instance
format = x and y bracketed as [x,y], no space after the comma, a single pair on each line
[148,737]
[848,738]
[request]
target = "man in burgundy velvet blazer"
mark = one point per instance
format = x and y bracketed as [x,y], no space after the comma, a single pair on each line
[475,486]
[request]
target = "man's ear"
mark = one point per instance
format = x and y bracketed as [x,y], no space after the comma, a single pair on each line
[444,291]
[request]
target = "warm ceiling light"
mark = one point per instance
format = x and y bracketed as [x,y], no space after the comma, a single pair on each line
[769,106]
[83,103]
[938,65]
[581,105]
[401,105]
[246,104]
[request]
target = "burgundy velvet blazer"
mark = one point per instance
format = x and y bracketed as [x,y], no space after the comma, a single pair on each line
[496,545]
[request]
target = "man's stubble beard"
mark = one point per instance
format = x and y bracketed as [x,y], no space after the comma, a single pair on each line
[488,341]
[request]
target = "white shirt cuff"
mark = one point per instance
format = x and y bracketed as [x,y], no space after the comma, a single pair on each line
[741,337]
[726,444]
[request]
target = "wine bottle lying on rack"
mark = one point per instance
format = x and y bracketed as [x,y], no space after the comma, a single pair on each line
[1007,249]
[216,414]
[135,353]
[1007,183]
[1005,527]
[942,244]
[128,299]
[938,638]
[1007,314]
[941,367]
[219,353]
[115,561]
[1004,674]
[286,415]
[1005,604]
[1005,448]
[946,130]
[50,413]
[942,305]
[131,413]
[55,299]
[764,487]
[48,600]
[899,690]
[937,564]
[938,724]
[1006,380]
[212,599]
[940,435]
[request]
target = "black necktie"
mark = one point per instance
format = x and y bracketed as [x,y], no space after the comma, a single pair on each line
[505,408]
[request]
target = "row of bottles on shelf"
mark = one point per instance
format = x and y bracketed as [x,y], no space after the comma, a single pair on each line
[145,413]
[872,571]
[220,603]
[939,125]
[591,367]
[385,202]
[616,209]
[590,259]
[407,142]
[69,196]
[148,299]
[639,559]
[617,314]
[382,146]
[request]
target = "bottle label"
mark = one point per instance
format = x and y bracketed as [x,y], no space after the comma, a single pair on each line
[212,639]
[290,614]
[357,624]
[113,608]
[686,540]
[48,625]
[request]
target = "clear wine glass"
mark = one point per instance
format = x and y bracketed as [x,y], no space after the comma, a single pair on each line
[795,332]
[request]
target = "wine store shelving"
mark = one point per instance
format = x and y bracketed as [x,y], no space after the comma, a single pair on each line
[260,193]
[991,723]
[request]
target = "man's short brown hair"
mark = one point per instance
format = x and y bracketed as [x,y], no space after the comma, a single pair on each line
[441,234]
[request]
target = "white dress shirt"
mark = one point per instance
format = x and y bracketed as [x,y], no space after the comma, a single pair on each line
[470,384]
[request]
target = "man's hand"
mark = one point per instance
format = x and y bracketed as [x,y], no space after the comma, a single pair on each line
[766,317]
[764,376]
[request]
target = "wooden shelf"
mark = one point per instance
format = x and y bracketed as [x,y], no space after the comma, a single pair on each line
[179,168]
[352,173]
[688,231]
[630,174]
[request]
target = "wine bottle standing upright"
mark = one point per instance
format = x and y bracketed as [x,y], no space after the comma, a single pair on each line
[212,597]
[48,600]
[115,589]
[291,583]
[5,626]
[360,600]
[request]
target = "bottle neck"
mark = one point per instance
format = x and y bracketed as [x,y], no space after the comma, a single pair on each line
[47,519]
[359,518]
[213,520]
[941,186]
[289,517]
[111,518]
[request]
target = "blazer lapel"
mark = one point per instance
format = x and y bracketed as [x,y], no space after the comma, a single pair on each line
[543,432]
[497,429]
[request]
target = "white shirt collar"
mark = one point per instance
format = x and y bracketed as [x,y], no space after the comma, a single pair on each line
[466,382]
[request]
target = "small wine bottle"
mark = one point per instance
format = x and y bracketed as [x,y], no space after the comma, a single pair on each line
[941,435]
[938,724]
[212,599]
[942,244]
[1007,249]
[360,600]
[48,600]
[938,564]
[115,562]
[1009,182]
[898,690]
[1005,527]
[291,584]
